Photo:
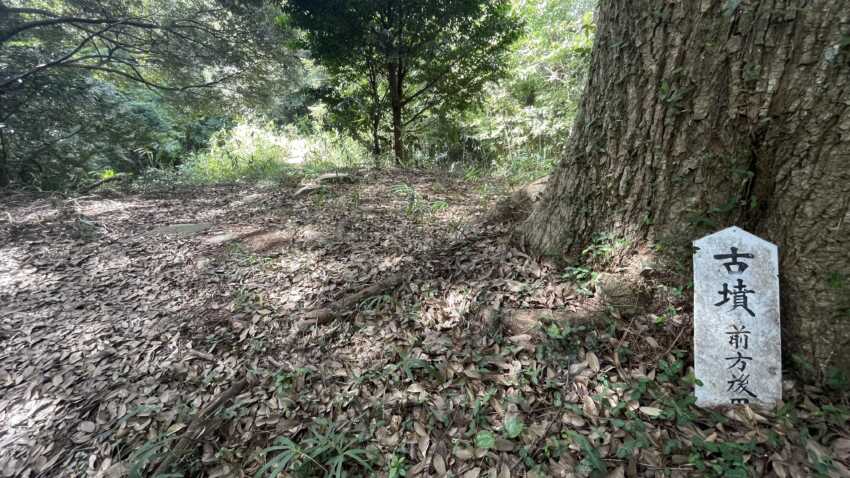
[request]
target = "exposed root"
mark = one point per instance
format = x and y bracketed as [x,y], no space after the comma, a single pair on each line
[196,428]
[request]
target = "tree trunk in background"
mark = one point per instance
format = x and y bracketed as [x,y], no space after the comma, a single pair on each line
[398,145]
[696,117]
[5,171]
[396,77]
[375,111]
[376,140]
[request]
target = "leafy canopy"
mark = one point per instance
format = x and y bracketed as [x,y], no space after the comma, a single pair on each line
[417,57]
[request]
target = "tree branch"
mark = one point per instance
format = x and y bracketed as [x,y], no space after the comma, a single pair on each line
[72,20]
[53,63]
[140,79]
[31,11]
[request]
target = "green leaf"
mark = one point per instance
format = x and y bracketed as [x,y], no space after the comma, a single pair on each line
[485,440]
[730,7]
[592,454]
[360,456]
[554,331]
[514,426]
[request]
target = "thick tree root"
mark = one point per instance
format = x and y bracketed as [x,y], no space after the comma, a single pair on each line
[197,427]
[326,314]
[94,186]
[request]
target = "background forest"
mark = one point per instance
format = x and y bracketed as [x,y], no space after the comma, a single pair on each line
[163,98]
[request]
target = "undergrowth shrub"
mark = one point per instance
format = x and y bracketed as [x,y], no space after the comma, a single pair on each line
[330,150]
[521,126]
[245,152]
[252,152]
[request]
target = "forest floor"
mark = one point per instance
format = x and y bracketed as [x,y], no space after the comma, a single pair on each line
[122,316]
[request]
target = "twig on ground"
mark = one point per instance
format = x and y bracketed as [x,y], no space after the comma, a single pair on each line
[655,467]
[201,355]
[537,440]
[326,314]
[675,341]
[79,198]
[625,334]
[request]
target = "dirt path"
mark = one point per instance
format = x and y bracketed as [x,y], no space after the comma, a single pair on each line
[122,316]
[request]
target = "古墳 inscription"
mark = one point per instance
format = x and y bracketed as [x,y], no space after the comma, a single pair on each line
[736,319]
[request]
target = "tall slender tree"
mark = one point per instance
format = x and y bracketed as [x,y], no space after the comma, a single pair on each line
[435,54]
[699,115]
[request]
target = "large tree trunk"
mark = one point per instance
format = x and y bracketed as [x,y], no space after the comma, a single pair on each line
[703,114]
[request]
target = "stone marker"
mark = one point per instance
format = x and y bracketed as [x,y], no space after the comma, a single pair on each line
[737,353]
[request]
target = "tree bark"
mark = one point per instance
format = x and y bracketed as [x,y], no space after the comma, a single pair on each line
[375,108]
[5,173]
[376,141]
[396,77]
[703,114]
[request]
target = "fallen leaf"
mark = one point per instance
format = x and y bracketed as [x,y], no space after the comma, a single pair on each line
[592,361]
[439,465]
[473,473]
[86,427]
[463,453]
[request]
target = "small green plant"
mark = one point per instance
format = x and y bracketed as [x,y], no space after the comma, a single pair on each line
[563,341]
[321,196]
[406,364]
[605,246]
[637,437]
[414,204]
[329,450]
[286,381]
[417,207]
[398,467]
[592,461]
[514,426]
[149,453]
[480,404]
[403,189]
[678,292]
[668,372]
[669,313]
[244,256]
[721,459]
[583,277]
[246,299]
[437,206]
[485,440]
[375,303]
[473,174]
[838,379]
[107,174]
[355,199]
